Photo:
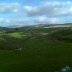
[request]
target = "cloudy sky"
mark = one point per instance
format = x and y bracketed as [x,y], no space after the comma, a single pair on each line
[30,12]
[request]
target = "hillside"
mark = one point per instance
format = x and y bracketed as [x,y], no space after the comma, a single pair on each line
[35,37]
[42,49]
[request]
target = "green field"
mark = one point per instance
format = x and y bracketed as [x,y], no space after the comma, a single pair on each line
[43,50]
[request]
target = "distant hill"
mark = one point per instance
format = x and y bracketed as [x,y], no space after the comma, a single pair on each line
[30,37]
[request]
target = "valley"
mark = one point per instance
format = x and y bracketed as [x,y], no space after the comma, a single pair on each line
[35,49]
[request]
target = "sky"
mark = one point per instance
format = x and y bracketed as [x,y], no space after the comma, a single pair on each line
[32,12]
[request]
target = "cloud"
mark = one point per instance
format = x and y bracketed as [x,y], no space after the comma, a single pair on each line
[50,9]
[9,7]
[7,21]
[47,20]
[20,21]
[1,19]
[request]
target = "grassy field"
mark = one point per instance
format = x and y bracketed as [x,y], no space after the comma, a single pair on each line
[40,53]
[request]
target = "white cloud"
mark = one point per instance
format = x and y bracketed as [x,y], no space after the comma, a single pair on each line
[16,21]
[7,20]
[50,8]
[42,18]
[1,19]
[48,20]
[49,11]
[55,20]
[28,8]
[9,7]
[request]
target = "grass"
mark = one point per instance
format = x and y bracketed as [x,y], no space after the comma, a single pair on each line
[16,35]
[47,53]
[43,60]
